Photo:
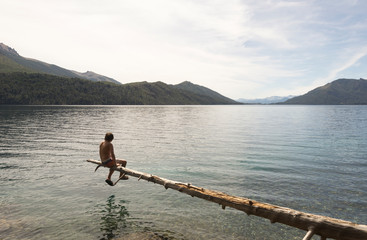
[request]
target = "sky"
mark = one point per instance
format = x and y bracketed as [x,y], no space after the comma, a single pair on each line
[239,48]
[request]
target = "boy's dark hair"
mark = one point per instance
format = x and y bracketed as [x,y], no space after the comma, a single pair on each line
[108,137]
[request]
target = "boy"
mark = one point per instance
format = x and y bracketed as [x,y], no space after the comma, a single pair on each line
[108,158]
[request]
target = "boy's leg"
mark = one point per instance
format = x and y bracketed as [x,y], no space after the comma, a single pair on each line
[108,180]
[110,174]
[123,164]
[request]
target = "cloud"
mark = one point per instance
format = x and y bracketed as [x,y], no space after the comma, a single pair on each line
[240,48]
[349,59]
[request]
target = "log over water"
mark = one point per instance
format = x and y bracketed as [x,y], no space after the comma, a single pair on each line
[325,227]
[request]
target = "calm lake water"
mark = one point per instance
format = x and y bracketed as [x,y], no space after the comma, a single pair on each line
[309,158]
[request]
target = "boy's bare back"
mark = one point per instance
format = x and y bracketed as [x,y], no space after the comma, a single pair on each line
[106,151]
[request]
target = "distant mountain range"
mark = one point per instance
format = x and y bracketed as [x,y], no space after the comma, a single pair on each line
[11,61]
[338,92]
[268,100]
[29,81]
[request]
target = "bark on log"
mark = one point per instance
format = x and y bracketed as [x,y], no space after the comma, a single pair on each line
[325,227]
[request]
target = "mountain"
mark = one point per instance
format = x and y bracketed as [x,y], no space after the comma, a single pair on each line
[29,81]
[268,100]
[203,91]
[11,61]
[44,89]
[338,92]
[7,64]
[95,77]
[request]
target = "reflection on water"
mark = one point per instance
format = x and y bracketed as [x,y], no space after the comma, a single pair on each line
[113,219]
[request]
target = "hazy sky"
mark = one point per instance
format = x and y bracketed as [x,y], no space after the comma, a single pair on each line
[242,49]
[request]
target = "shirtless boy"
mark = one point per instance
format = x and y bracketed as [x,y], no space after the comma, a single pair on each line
[108,158]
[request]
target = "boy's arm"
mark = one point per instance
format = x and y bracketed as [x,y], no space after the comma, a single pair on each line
[112,153]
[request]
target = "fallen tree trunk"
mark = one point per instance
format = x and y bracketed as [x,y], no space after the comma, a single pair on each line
[325,227]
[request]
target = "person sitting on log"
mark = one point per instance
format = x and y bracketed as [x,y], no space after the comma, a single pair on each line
[108,158]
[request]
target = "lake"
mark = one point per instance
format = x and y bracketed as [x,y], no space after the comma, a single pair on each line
[309,158]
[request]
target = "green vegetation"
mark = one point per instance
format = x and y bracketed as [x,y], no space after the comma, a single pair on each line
[32,82]
[8,65]
[339,92]
[43,89]
[200,90]
[113,218]
[11,61]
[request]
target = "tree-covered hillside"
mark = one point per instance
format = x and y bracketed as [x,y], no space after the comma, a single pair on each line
[43,89]
[338,92]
